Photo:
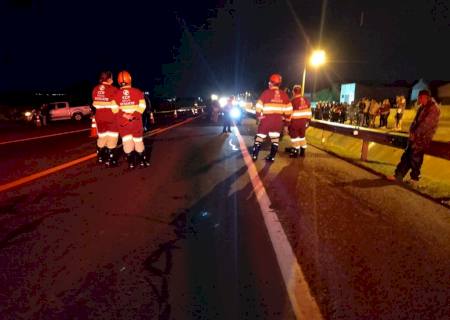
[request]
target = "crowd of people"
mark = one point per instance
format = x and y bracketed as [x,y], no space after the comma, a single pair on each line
[363,112]
[274,106]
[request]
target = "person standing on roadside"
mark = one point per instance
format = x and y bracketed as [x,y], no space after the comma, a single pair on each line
[271,106]
[401,105]
[420,136]
[384,113]
[44,114]
[106,109]
[374,111]
[227,115]
[298,122]
[131,106]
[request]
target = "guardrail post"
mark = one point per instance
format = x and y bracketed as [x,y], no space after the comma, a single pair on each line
[364,150]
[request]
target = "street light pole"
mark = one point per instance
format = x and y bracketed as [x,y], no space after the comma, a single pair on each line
[303,81]
[317,59]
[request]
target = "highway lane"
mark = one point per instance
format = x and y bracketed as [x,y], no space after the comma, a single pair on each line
[14,130]
[184,239]
[178,240]
[24,158]
[27,153]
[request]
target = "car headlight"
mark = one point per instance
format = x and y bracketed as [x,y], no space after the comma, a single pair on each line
[27,114]
[235,113]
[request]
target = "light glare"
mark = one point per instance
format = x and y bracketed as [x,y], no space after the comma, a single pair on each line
[318,58]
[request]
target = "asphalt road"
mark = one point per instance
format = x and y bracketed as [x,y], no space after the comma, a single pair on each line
[167,242]
[185,238]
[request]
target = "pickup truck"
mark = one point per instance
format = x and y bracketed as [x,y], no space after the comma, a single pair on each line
[63,111]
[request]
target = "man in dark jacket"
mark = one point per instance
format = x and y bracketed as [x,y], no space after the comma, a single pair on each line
[227,115]
[420,136]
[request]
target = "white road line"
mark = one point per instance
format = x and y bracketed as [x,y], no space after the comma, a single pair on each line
[303,303]
[43,137]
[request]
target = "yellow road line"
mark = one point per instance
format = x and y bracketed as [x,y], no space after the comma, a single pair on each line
[44,173]
[63,166]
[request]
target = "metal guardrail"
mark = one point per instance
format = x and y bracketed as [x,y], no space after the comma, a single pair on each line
[397,140]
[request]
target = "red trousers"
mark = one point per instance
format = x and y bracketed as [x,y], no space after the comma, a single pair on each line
[106,120]
[130,127]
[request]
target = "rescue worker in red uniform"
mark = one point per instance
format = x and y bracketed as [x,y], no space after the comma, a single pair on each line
[271,106]
[299,121]
[131,103]
[106,110]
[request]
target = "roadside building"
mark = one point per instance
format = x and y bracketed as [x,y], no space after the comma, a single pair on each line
[443,93]
[440,90]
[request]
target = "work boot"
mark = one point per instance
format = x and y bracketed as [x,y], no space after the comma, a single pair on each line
[131,160]
[143,159]
[302,152]
[101,154]
[293,153]
[106,157]
[113,158]
[255,151]
[273,152]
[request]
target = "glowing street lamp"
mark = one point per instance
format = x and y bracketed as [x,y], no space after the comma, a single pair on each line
[318,58]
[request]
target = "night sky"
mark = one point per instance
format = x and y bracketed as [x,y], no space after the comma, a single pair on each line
[190,48]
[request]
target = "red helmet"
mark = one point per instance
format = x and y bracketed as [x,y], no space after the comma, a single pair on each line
[275,79]
[297,89]
[124,78]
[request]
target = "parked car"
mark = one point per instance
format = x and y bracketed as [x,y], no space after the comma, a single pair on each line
[63,111]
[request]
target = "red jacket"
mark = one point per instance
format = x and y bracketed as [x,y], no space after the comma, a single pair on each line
[130,100]
[301,108]
[273,102]
[104,97]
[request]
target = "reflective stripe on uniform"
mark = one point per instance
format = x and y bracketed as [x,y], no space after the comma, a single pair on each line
[297,113]
[130,108]
[274,134]
[128,137]
[112,134]
[142,106]
[273,108]
[105,105]
[288,107]
[259,106]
